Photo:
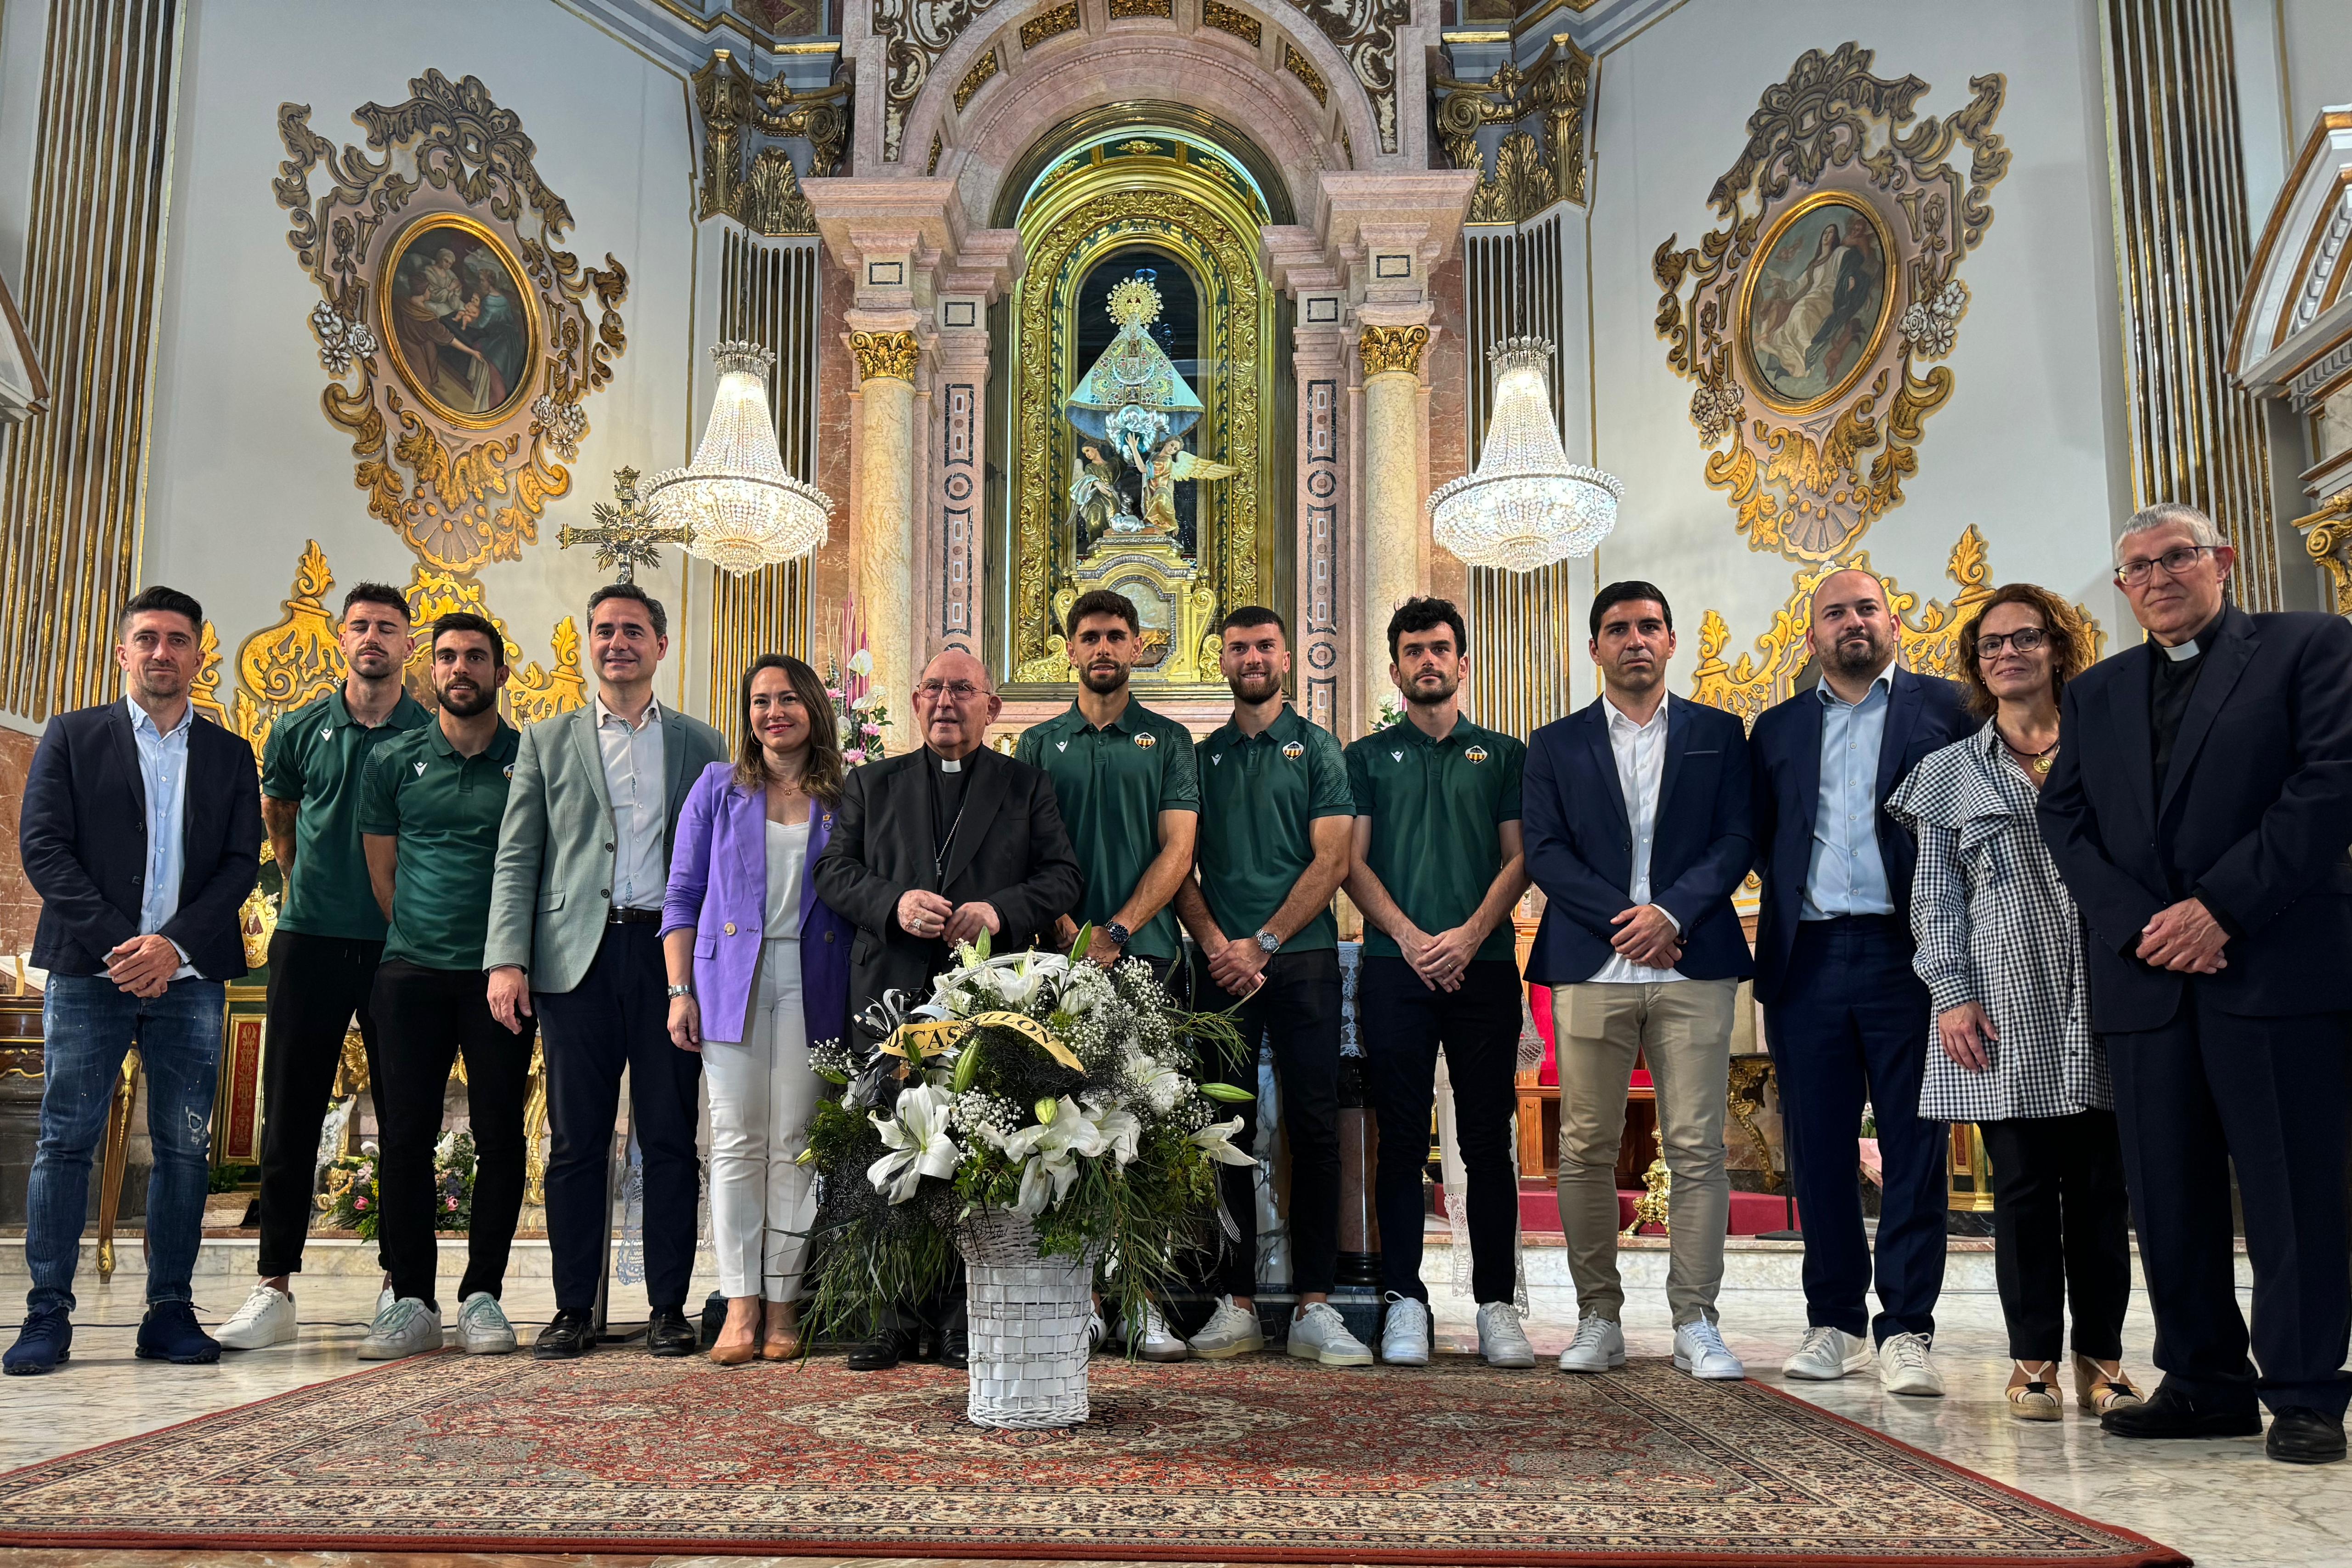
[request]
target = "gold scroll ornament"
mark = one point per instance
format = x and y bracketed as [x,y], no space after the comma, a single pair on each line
[887,356]
[1387,349]
[1829,287]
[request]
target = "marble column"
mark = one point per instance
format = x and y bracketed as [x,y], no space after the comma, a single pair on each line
[1393,508]
[1319,355]
[884,536]
[959,388]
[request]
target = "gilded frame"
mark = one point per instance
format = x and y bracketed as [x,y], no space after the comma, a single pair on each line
[387,267]
[1890,284]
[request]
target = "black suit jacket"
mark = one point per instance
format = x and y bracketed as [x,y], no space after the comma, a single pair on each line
[1922,714]
[2252,816]
[1580,841]
[83,839]
[1011,850]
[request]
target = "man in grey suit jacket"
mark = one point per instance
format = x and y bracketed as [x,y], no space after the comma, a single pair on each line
[575,913]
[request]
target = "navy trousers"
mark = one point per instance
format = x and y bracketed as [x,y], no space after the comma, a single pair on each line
[1852,1021]
[2208,1090]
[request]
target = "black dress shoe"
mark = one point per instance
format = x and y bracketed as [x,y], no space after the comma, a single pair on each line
[668,1333]
[883,1352]
[955,1346]
[571,1336]
[2302,1436]
[2168,1413]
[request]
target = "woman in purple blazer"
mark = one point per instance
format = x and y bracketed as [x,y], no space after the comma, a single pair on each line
[758,969]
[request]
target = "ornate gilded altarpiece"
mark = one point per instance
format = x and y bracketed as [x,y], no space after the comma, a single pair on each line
[1180,197]
[461,341]
[1810,321]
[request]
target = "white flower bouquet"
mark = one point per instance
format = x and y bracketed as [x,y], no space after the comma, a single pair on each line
[1026,1085]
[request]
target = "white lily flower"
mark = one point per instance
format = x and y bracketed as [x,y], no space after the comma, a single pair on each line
[1122,1134]
[1217,1139]
[861,662]
[1048,1154]
[916,1138]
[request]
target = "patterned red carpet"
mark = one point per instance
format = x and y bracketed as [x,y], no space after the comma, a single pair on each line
[1262,1458]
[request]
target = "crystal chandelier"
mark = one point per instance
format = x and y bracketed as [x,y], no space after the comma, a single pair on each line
[1527,505]
[741,507]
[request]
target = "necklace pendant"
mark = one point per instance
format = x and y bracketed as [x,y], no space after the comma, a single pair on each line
[2041,764]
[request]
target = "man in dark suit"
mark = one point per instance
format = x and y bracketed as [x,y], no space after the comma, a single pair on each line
[141,832]
[2199,811]
[1844,1013]
[1637,831]
[930,848]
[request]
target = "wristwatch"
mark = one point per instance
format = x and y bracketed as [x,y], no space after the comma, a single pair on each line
[678,991]
[1271,942]
[1120,935]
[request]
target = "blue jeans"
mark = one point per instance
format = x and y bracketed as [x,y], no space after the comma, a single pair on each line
[88,1024]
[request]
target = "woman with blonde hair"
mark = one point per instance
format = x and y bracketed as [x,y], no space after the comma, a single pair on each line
[758,970]
[2000,948]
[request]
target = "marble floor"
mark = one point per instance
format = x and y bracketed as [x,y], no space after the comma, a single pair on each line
[2222,1502]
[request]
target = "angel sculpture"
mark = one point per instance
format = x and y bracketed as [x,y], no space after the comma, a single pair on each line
[1094,496]
[1171,465]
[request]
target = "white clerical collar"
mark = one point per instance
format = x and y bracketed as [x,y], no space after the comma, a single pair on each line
[947,764]
[2178,651]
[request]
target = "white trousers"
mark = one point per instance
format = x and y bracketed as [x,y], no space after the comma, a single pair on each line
[762,1205]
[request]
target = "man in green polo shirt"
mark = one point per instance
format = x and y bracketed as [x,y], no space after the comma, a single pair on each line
[429,815]
[1438,865]
[1124,780]
[330,936]
[1274,819]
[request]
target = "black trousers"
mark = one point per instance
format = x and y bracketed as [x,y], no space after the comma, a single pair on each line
[1403,1025]
[2208,1090]
[428,1017]
[1298,1010]
[2061,1228]
[316,984]
[616,1017]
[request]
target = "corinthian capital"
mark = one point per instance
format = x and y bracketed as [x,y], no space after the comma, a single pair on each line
[1387,349]
[889,355]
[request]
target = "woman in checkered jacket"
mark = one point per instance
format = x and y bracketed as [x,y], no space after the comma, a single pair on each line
[2001,949]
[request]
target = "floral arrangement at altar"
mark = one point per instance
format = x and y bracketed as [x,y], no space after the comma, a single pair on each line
[1059,1094]
[861,715]
[351,1203]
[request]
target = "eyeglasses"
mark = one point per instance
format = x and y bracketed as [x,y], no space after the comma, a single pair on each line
[2025,639]
[959,691]
[2132,574]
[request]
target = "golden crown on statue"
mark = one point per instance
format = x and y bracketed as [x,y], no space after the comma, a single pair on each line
[1134,303]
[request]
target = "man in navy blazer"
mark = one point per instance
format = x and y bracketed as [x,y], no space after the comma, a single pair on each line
[1844,1016]
[1636,813]
[141,832]
[2199,811]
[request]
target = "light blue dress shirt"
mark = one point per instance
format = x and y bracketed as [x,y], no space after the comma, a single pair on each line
[163,769]
[1846,875]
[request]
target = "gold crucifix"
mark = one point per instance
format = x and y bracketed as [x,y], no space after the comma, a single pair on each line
[624,535]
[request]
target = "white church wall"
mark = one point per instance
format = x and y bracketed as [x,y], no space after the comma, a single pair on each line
[245,465]
[2027,448]
[2315,45]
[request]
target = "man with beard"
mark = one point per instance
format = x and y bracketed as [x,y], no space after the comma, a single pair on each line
[141,833]
[1637,832]
[429,816]
[930,848]
[1438,863]
[1274,820]
[1130,796]
[330,936]
[575,923]
[1844,1016]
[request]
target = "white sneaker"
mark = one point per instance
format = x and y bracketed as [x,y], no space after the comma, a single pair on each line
[1156,1343]
[1319,1334]
[1599,1346]
[1096,1331]
[1500,1339]
[1404,1338]
[1231,1330]
[266,1319]
[1699,1351]
[408,1327]
[1827,1356]
[383,1300]
[482,1326]
[1904,1367]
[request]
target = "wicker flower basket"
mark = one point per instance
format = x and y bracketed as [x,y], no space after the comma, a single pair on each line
[1028,1319]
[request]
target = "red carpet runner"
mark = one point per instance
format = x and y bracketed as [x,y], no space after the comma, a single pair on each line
[1264,1458]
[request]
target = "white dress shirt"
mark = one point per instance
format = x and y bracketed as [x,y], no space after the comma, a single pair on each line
[634,779]
[1640,754]
[164,771]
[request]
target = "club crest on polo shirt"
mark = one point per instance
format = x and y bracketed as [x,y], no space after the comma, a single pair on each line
[1146,741]
[1476,753]
[1061,745]
[1215,758]
[1397,756]
[508,770]
[420,770]
[1293,750]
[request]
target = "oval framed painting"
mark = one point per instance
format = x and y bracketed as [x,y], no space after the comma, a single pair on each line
[1817,301]
[461,324]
